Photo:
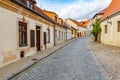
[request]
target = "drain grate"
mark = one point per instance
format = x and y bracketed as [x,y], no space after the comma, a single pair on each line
[34,59]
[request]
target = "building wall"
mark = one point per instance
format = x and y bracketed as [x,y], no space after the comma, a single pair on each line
[112,37]
[9,32]
[69,34]
[50,14]
[82,31]
[89,28]
[74,28]
[71,23]
[60,34]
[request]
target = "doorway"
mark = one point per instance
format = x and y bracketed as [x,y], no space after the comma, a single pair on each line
[38,38]
[44,39]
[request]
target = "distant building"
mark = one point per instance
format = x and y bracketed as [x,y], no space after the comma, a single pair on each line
[79,28]
[59,29]
[74,27]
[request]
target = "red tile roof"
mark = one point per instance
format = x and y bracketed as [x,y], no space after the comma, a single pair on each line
[99,13]
[82,23]
[112,9]
[39,11]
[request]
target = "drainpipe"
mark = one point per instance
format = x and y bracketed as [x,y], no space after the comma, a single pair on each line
[54,34]
[66,34]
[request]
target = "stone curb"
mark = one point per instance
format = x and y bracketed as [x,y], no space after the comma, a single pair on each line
[17,73]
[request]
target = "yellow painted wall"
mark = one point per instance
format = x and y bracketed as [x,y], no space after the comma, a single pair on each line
[50,14]
[59,20]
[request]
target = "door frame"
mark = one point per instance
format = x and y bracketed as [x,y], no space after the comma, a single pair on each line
[38,38]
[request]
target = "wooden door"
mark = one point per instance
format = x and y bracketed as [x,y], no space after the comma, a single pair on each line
[44,39]
[38,38]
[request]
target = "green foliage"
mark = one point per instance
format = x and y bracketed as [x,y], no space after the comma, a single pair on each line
[96,29]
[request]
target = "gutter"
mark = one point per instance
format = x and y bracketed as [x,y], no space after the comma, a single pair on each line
[112,15]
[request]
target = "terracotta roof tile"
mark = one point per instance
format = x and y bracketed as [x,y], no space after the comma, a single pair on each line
[113,8]
[82,23]
[100,13]
[39,11]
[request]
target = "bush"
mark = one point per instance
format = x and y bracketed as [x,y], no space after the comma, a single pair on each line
[96,29]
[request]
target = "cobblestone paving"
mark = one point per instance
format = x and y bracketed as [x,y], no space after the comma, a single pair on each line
[73,62]
[109,57]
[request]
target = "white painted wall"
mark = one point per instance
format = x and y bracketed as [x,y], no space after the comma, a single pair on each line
[9,34]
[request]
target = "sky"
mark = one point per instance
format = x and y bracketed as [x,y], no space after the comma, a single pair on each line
[75,9]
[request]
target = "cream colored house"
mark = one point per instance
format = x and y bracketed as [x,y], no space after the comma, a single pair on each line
[68,31]
[89,28]
[81,27]
[110,24]
[74,27]
[59,29]
[24,30]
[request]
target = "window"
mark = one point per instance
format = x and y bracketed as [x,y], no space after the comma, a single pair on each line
[32,38]
[22,34]
[29,5]
[105,28]
[84,32]
[55,18]
[118,26]
[72,31]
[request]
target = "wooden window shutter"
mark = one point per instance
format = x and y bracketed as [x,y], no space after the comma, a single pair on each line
[32,38]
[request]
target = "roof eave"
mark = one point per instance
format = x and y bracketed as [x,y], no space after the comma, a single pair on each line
[15,1]
[110,16]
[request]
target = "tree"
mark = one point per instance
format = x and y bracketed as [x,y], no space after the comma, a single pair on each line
[96,29]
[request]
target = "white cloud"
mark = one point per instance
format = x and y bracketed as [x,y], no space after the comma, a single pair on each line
[78,10]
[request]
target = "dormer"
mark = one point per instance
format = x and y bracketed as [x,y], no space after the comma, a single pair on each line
[52,15]
[55,18]
[29,3]
[60,21]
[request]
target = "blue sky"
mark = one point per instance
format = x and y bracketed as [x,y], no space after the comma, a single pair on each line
[75,9]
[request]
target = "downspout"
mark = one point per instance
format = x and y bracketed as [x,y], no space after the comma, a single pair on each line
[66,34]
[54,35]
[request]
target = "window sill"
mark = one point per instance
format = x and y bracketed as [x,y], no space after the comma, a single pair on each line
[23,45]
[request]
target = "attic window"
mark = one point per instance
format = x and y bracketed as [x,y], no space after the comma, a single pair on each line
[29,5]
[55,18]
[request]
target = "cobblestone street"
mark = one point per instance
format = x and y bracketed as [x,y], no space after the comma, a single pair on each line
[109,58]
[73,62]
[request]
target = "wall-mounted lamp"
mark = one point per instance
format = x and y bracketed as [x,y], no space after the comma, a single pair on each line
[109,21]
[23,19]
